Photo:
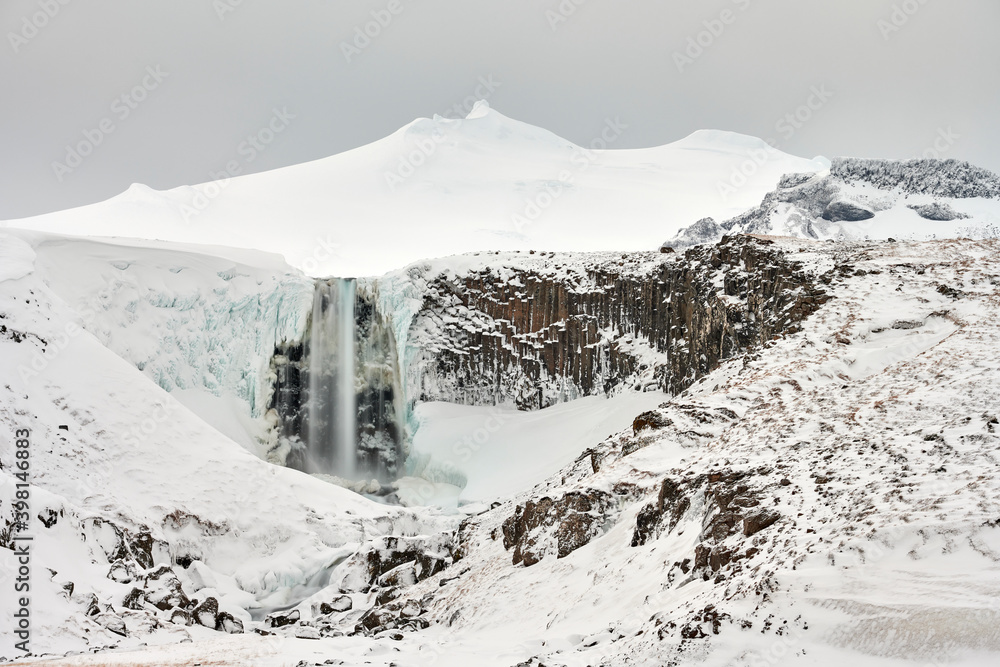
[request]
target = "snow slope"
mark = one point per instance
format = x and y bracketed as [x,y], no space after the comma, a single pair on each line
[200,322]
[870,433]
[114,457]
[471,454]
[439,187]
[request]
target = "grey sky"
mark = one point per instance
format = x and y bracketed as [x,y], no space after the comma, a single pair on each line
[225,65]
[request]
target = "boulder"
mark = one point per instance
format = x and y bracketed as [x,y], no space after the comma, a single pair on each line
[207,613]
[181,617]
[281,620]
[337,605]
[650,420]
[164,590]
[134,600]
[228,623]
[123,572]
[113,623]
[842,210]
[937,211]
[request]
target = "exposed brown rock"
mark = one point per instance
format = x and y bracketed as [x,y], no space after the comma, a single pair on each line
[561,526]
[527,336]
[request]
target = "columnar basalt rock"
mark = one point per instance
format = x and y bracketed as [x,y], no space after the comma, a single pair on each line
[533,337]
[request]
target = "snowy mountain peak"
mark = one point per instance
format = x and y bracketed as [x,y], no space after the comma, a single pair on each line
[484,130]
[443,186]
[479,110]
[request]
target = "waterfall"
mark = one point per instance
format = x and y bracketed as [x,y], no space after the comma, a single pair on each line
[331,407]
[337,392]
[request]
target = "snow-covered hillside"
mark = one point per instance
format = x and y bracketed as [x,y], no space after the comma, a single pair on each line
[830,498]
[441,186]
[130,490]
[869,199]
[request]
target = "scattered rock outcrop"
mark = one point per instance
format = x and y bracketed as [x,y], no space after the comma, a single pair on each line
[733,506]
[938,211]
[556,526]
[394,562]
[816,205]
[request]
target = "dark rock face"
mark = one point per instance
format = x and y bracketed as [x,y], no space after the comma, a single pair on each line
[427,556]
[207,613]
[846,211]
[815,198]
[535,337]
[734,506]
[649,420]
[290,386]
[380,422]
[706,230]
[938,212]
[559,526]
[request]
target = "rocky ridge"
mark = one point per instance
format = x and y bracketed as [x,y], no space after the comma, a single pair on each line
[855,191]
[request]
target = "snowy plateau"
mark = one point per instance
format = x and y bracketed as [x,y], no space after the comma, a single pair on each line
[771,440]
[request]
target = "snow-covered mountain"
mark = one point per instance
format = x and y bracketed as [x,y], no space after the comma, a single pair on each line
[764,450]
[444,186]
[869,199]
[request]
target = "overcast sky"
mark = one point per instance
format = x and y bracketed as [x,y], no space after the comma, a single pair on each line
[163,92]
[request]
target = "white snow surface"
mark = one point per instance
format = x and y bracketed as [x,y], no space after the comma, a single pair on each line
[17,259]
[485,182]
[888,392]
[199,321]
[468,454]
